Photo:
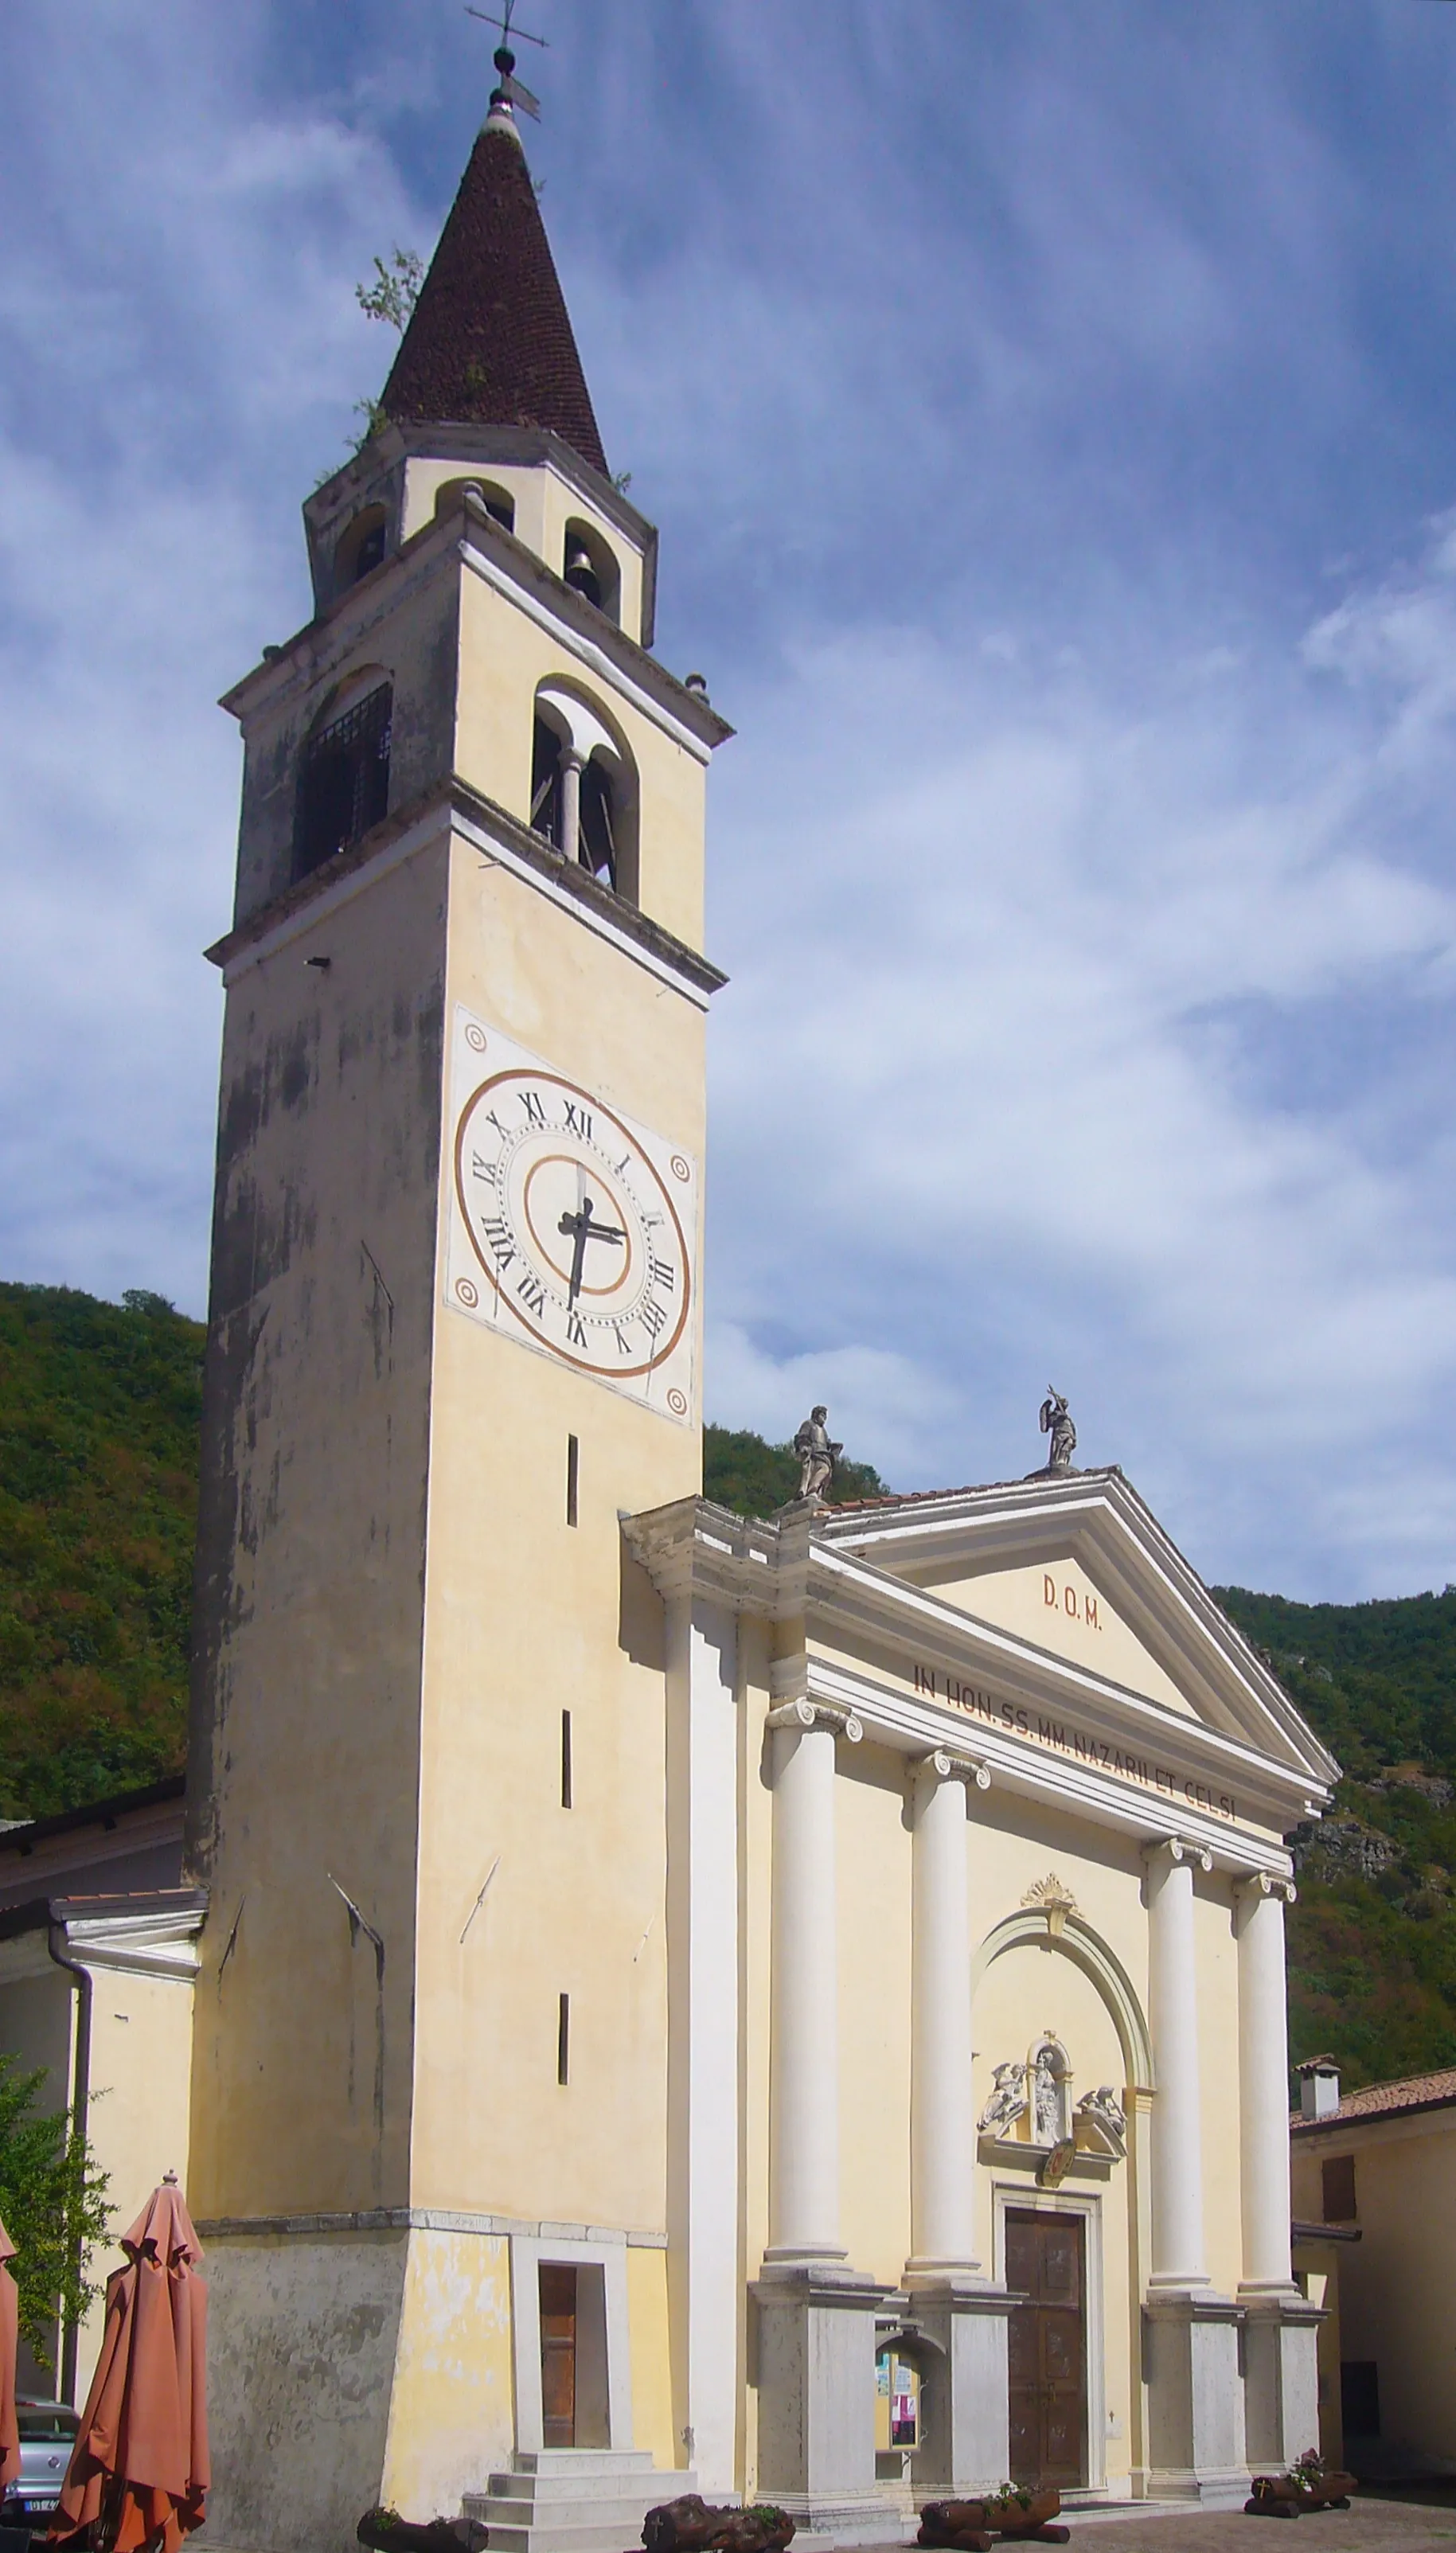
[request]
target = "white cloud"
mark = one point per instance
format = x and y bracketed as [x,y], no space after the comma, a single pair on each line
[1084,861]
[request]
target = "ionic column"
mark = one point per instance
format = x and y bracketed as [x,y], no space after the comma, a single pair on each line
[942,2121]
[804,2076]
[1264,2082]
[1177,2145]
[571,803]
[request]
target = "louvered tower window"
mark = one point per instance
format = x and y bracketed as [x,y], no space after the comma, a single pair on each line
[344,780]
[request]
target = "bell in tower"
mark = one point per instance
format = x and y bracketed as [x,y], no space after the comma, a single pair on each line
[454,1333]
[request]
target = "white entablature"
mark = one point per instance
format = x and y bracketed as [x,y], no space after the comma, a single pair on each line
[1196,1736]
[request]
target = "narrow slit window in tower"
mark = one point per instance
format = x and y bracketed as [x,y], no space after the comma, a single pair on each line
[573,1477]
[566,1759]
[563,2039]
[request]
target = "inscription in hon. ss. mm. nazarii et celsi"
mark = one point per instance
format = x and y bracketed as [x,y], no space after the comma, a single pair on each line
[1101,1754]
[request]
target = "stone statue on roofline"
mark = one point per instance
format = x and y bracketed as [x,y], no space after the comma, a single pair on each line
[1057,1423]
[816,1454]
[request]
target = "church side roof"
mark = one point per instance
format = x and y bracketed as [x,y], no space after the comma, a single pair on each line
[1386,2100]
[489,341]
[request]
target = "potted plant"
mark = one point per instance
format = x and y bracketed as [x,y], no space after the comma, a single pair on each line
[1013,2511]
[1308,2484]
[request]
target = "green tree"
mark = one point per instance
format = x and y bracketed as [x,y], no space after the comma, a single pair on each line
[53,2199]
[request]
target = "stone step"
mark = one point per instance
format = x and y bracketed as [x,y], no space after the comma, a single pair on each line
[563,2487]
[570,2501]
[554,2534]
[582,2460]
[615,2508]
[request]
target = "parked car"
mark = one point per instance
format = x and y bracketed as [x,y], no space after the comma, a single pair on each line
[48,2432]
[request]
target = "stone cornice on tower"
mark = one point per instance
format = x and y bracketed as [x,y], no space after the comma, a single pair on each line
[489,341]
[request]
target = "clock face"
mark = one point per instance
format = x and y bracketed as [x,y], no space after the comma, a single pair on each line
[573,1226]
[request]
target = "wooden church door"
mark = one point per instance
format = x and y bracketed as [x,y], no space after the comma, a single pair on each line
[1046,2261]
[558,2355]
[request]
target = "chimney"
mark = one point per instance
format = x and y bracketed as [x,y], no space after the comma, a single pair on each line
[1319,2088]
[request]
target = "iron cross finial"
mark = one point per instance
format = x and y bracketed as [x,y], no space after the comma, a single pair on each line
[511,91]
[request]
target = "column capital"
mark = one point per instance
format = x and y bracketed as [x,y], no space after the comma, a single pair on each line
[1177,1848]
[1268,1883]
[942,1766]
[805,1714]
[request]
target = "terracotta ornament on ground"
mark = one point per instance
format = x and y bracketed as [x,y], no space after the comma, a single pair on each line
[9,2341]
[692,2525]
[1309,2485]
[969,2526]
[140,2464]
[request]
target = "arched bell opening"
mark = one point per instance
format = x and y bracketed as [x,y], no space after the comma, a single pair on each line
[583,797]
[590,568]
[360,547]
[498,503]
[344,769]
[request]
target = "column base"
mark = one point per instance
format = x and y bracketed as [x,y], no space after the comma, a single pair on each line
[965,2440]
[1196,2397]
[815,2401]
[1282,2377]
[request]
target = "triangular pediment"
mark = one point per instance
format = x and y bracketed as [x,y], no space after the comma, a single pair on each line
[1075,1567]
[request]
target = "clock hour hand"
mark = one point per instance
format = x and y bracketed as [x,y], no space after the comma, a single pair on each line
[581,1230]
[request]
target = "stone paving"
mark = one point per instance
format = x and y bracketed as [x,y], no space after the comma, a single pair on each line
[1372,2524]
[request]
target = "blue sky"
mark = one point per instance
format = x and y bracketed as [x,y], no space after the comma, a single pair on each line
[1049,411]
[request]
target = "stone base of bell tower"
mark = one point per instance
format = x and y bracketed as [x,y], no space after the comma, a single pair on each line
[816,2403]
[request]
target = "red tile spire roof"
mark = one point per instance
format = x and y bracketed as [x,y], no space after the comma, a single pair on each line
[489,341]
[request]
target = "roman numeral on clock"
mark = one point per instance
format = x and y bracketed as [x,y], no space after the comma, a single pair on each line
[498,1234]
[533,1293]
[578,1121]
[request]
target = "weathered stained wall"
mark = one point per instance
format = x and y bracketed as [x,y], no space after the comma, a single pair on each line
[305,1729]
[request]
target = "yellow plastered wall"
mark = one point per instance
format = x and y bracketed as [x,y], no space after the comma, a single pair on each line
[137,2114]
[1397,2284]
[451,2418]
[517,1601]
[652,2357]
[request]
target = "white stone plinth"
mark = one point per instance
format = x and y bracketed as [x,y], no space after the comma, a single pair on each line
[816,2403]
[965,2441]
[1281,2378]
[1196,2398]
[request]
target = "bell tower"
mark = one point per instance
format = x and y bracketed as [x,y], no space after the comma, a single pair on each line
[454,1333]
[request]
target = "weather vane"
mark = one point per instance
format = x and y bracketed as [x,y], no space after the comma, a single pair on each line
[511,91]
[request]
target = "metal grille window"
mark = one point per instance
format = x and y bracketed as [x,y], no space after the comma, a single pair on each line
[344,781]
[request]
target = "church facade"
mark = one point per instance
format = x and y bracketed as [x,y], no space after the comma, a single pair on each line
[796,2007]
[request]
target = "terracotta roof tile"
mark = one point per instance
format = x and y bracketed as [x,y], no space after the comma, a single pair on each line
[489,341]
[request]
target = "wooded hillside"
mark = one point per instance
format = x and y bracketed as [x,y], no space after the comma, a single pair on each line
[99,1407]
